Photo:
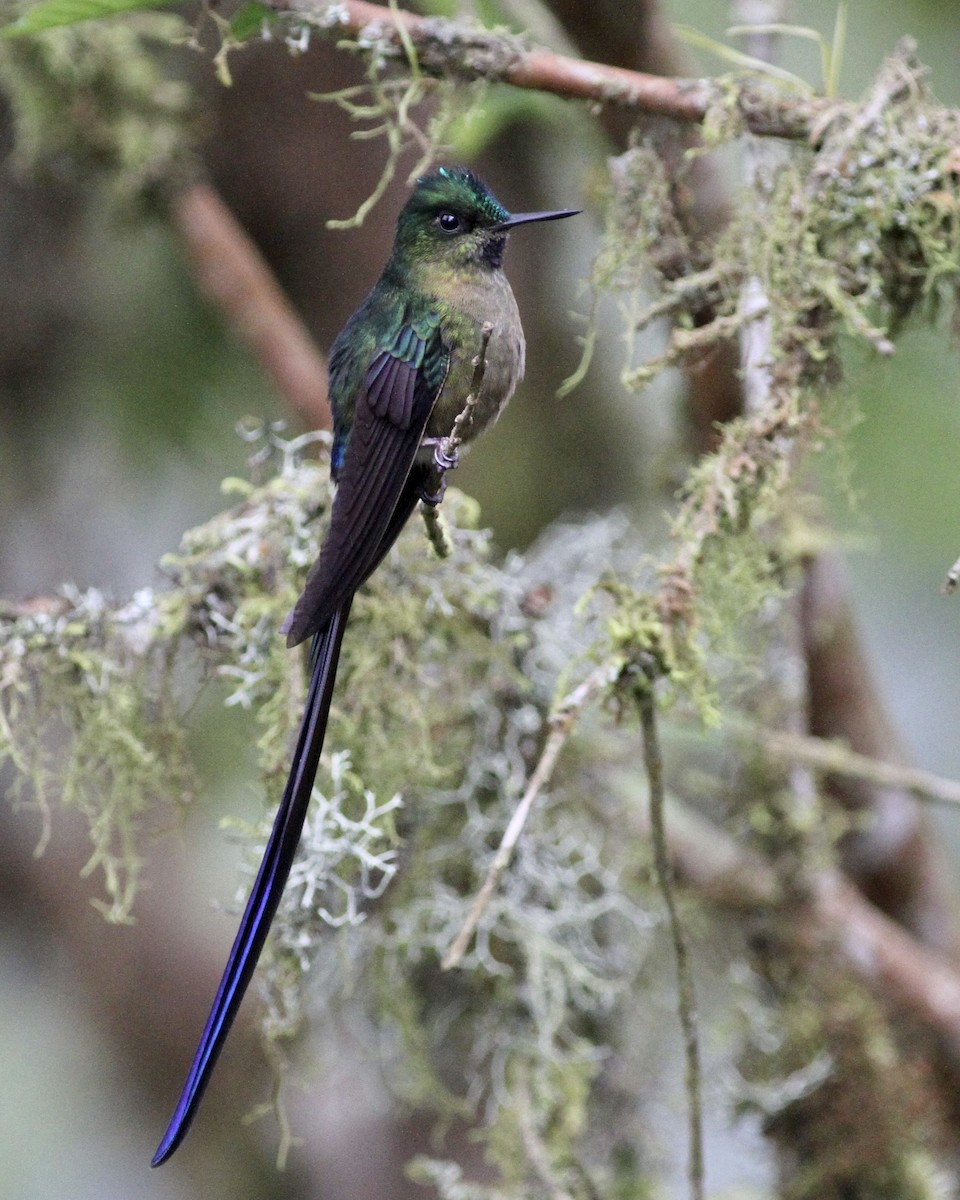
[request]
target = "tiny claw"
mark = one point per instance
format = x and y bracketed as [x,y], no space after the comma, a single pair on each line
[434,498]
[444,457]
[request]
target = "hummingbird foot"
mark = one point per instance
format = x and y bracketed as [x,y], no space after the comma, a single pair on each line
[446,458]
[433,497]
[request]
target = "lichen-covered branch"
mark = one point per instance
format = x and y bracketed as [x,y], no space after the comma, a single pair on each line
[858,233]
[441,730]
[447,719]
[464,50]
[562,721]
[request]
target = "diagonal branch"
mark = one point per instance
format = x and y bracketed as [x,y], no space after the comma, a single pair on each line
[919,980]
[561,726]
[232,275]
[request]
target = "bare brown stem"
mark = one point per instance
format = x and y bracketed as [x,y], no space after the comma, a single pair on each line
[892,857]
[686,995]
[906,973]
[232,274]
[562,723]
[838,759]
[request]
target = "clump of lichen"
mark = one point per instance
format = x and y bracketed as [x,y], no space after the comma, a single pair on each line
[92,695]
[845,238]
[449,671]
[88,720]
[855,233]
[849,1106]
[92,102]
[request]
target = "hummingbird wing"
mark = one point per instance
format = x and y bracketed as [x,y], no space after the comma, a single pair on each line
[397,395]
[378,491]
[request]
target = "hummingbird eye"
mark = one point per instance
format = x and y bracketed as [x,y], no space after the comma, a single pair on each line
[449,222]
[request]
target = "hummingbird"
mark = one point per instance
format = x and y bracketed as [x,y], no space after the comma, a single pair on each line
[440,323]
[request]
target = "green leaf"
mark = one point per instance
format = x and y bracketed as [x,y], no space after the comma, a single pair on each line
[248,20]
[52,14]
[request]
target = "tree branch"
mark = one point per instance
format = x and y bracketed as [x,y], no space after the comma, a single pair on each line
[469,51]
[880,950]
[892,857]
[233,275]
[561,725]
[686,993]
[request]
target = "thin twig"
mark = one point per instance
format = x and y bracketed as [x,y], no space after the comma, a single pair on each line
[686,995]
[838,759]
[451,444]
[437,532]
[447,449]
[561,723]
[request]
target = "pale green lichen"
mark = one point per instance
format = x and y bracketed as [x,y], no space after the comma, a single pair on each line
[88,722]
[451,668]
[414,114]
[448,674]
[91,102]
[832,1086]
[452,717]
[855,234]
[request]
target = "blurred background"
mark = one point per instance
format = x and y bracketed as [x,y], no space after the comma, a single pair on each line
[120,391]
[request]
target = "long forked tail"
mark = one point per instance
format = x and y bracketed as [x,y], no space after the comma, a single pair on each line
[268,887]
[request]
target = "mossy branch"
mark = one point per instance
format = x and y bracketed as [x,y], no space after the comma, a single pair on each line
[858,233]
[453,667]
[467,51]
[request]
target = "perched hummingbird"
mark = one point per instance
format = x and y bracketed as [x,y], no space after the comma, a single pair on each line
[440,318]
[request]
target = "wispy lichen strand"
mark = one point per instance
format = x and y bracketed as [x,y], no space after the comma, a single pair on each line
[857,232]
[90,722]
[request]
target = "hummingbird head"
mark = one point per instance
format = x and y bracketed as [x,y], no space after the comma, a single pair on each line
[454,218]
